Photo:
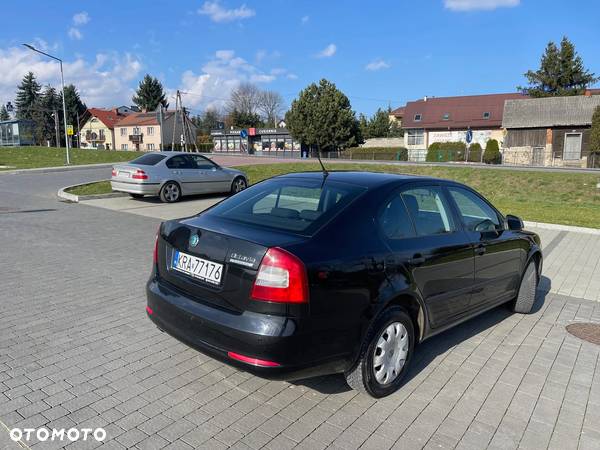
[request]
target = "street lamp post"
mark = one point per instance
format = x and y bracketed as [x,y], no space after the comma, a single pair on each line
[62,80]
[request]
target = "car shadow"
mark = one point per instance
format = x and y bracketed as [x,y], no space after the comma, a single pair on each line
[429,350]
[187,198]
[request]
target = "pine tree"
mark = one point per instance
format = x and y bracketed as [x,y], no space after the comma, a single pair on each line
[73,104]
[150,94]
[561,73]
[363,126]
[28,95]
[322,116]
[4,113]
[379,124]
[50,103]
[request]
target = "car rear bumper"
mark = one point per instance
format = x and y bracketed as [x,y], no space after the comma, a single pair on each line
[216,332]
[135,188]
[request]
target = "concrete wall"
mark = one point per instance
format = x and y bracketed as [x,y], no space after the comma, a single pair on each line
[384,142]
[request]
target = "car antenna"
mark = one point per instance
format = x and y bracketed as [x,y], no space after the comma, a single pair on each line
[325,172]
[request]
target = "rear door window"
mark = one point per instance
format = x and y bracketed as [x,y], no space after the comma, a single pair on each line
[294,205]
[180,162]
[202,163]
[429,210]
[150,159]
[395,221]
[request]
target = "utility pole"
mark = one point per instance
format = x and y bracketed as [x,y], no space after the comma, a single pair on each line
[175,121]
[62,80]
[79,131]
[55,114]
[160,124]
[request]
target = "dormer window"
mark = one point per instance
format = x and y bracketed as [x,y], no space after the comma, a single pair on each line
[446,116]
[486,115]
[418,117]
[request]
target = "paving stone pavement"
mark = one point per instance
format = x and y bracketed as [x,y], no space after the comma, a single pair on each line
[76,350]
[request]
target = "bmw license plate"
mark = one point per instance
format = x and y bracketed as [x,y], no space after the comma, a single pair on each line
[208,271]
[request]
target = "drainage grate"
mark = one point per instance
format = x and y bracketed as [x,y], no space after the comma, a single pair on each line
[589,332]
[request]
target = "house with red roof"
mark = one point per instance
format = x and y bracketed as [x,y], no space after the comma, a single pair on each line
[98,127]
[447,119]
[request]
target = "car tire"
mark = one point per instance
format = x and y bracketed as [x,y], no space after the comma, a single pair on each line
[170,192]
[526,296]
[238,185]
[136,195]
[385,354]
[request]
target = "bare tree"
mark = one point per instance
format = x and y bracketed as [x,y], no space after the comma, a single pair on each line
[244,99]
[270,104]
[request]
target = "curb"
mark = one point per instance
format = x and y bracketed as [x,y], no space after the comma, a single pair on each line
[57,169]
[72,198]
[554,226]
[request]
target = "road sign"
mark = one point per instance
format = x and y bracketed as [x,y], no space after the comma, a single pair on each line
[244,134]
[70,130]
[469,136]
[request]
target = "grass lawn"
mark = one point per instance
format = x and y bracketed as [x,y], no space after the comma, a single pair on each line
[32,157]
[552,197]
[100,187]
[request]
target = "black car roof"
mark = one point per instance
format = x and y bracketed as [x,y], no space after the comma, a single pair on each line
[365,179]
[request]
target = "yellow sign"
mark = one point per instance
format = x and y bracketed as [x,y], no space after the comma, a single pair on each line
[70,130]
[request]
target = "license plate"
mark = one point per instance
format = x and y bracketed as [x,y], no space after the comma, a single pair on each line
[208,271]
[124,174]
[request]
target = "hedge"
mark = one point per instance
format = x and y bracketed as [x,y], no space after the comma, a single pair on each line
[446,151]
[376,153]
[492,152]
[475,151]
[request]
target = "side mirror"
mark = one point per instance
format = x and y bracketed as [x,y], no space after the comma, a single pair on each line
[514,223]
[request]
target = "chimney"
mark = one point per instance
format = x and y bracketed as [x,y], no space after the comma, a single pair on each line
[425,98]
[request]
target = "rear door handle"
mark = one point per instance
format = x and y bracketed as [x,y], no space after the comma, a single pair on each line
[417,259]
[480,249]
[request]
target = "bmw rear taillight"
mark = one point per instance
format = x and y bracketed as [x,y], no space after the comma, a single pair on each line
[281,278]
[139,175]
[114,172]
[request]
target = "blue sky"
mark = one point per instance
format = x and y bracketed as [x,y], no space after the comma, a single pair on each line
[377,52]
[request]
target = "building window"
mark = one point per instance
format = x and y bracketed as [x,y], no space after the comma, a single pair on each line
[123,131]
[418,117]
[486,115]
[101,135]
[149,146]
[123,146]
[446,116]
[415,137]
[150,131]
[136,131]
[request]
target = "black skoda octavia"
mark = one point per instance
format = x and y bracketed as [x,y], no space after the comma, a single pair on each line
[314,273]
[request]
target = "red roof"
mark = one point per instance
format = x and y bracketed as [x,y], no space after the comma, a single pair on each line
[142,118]
[474,111]
[398,112]
[107,116]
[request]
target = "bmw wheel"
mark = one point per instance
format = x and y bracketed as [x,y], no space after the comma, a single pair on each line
[238,185]
[385,356]
[170,192]
[526,296]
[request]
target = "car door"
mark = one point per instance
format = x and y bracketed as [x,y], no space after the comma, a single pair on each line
[211,176]
[499,253]
[183,170]
[426,241]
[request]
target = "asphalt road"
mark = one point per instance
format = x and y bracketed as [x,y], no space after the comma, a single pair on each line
[76,350]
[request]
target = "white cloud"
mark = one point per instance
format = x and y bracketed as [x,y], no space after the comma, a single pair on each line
[218,77]
[327,52]
[304,19]
[377,64]
[81,18]
[103,81]
[218,13]
[471,5]
[74,33]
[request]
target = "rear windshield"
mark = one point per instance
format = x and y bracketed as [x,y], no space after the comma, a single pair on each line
[150,159]
[294,205]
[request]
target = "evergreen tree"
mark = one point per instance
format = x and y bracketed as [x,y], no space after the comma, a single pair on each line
[73,104]
[207,121]
[322,116]
[4,113]
[379,124]
[561,73]
[363,125]
[28,96]
[150,94]
[243,119]
[50,103]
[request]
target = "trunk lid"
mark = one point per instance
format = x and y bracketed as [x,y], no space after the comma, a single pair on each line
[238,248]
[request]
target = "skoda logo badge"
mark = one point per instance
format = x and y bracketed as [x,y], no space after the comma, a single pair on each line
[194,240]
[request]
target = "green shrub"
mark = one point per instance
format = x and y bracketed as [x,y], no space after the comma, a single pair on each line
[492,152]
[446,151]
[475,151]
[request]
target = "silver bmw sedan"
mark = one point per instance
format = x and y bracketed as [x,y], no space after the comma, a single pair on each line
[171,175]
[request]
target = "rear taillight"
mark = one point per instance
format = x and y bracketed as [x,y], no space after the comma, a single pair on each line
[281,278]
[139,175]
[252,361]
[114,173]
